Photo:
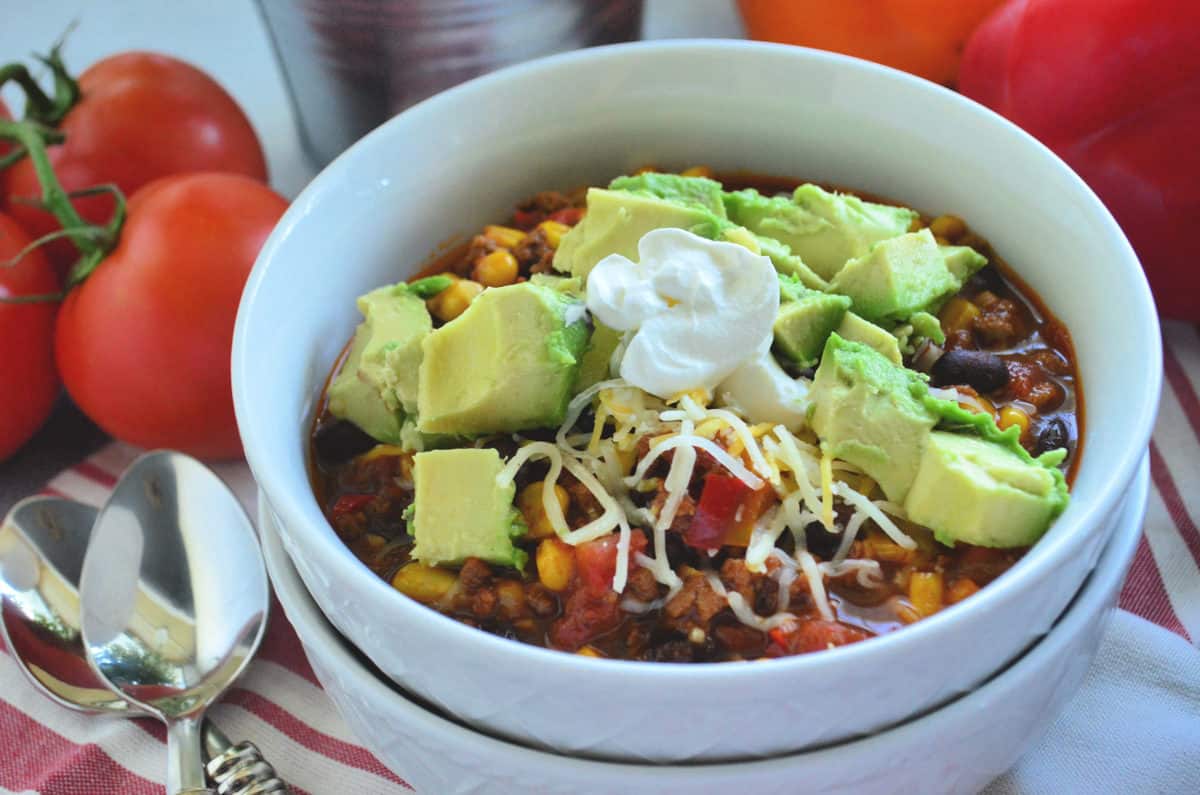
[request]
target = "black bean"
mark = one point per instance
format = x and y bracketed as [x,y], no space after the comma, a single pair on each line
[820,541]
[340,440]
[986,278]
[982,370]
[1051,435]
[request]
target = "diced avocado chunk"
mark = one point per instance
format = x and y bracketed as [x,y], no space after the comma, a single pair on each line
[460,512]
[900,277]
[977,492]
[787,263]
[823,229]
[962,261]
[696,192]
[806,319]
[865,412]
[855,329]
[615,222]
[570,285]
[505,364]
[594,366]
[377,386]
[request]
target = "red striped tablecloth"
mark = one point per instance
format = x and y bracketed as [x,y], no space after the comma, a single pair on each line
[280,706]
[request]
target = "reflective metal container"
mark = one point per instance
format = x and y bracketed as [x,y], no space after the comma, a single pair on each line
[352,64]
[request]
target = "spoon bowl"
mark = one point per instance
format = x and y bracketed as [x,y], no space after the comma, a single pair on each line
[175,598]
[42,545]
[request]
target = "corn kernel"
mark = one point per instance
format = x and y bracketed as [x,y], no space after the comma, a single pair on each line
[697,171]
[957,314]
[646,169]
[496,269]
[454,300]
[1010,416]
[950,227]
[589,651]
[374,542]
[503,236]
[960,589]
[534,510]
[554,231]
[925,590]
[555,563]
[383,451]
[426,584]
[979,405]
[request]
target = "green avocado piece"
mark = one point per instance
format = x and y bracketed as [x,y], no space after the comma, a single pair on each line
[569,285]
[460,512]
[505,364]
[806,319]
[787,263]
[978,492]
[377,386]
[594,366]
[617,219]
[823,229]
[962,261]
[865,412]
[855,329]
[698,192]
[897,278]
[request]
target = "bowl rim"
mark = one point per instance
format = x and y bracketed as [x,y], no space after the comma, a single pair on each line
[1110,571]
[1035,565]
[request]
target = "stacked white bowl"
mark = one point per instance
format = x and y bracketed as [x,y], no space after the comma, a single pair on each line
[461,159]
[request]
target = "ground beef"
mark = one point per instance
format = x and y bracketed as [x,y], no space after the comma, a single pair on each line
[683,515]
[539,207]
[694,606]
[534,253]
[642,585]
[480,247]
[999,323]
[475,574]
[736,577]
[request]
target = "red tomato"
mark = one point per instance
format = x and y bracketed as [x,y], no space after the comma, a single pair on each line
[812,635]
[141,116]
[1114,89]
[143,344]
[29,383]
[596,561]
[716,513]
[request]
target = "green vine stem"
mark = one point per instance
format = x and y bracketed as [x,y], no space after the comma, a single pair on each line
[39,107]
[93,241]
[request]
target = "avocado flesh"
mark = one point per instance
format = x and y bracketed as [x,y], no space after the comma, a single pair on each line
[865,412]
[377,386]
[460,512]
[973,491]
[806,319]
[902,276]
[616,220]
[823,229]
[855,329]
[507,363]
[594,366]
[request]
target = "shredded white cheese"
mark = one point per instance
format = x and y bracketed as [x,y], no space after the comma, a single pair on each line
[576,407]
[549,500]
[742,611]
[723,458]
[872,511]
[816,583]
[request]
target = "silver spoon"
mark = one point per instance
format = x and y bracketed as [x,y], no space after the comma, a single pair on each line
[42,544]
[174,596]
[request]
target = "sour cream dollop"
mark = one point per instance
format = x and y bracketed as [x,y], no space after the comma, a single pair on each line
[694,310]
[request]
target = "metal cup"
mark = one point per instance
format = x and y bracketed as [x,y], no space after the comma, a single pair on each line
[351,64]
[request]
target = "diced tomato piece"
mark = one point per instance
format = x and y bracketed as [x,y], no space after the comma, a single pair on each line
[525,219]
[568,215]
[716,513]
[349,503]
[596,561]
[812,635]
[586,616]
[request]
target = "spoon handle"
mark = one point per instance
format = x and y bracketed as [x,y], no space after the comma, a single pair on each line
[185,761]
[241,770]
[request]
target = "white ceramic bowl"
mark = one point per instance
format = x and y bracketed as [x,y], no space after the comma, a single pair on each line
[461,159]
[957,748]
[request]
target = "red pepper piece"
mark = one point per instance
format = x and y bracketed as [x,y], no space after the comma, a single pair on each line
[716,513]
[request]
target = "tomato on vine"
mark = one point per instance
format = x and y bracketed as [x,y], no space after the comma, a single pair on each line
[129,119]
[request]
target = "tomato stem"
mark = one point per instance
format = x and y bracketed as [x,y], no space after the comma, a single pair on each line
[93,241]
